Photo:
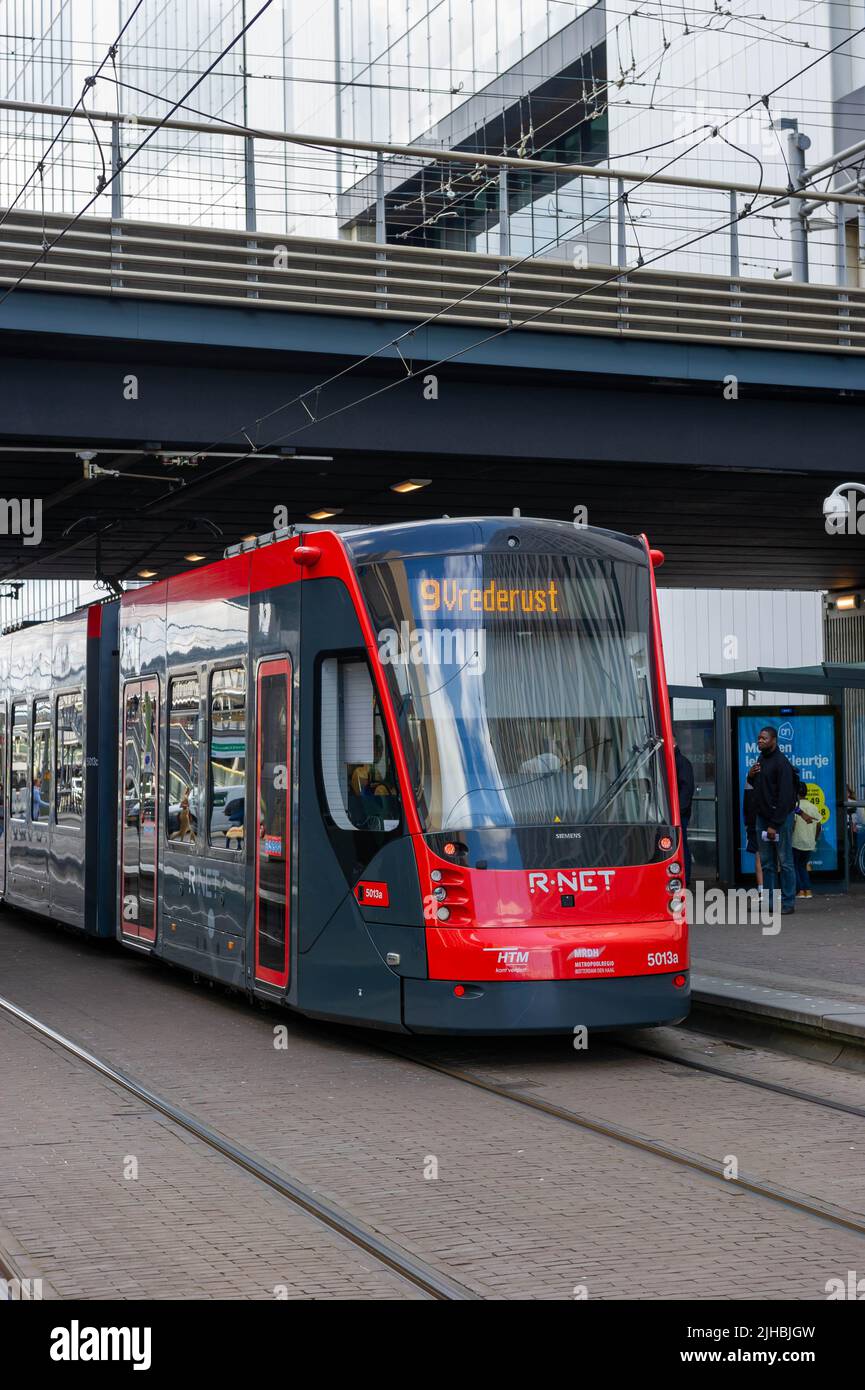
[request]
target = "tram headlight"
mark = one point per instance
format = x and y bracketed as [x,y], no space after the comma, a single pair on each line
[436,875]
[676,905]
[674,868]
[440,893]
[443,914]
[673,885]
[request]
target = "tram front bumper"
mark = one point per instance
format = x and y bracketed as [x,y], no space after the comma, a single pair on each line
[544,1006]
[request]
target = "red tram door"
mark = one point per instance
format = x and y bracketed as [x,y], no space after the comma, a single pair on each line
[273,822]
[139,857]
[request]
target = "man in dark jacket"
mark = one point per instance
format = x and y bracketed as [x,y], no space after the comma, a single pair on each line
[685,781]
[775,781]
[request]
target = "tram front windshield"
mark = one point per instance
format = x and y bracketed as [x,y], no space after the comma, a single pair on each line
[523,686]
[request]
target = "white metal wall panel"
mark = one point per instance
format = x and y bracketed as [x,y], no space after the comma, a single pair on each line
[727,630]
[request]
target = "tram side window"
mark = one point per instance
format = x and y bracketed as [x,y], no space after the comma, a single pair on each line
[360,780]
[182,801]
[70,758]
[41,760]
[20,782]
[227,757]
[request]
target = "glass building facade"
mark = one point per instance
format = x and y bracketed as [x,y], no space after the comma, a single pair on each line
[406,64]
[640,84]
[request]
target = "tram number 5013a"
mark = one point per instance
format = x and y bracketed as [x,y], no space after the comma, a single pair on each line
[662,958]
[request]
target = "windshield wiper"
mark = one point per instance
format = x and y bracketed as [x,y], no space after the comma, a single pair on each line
[638,758]
[526,782]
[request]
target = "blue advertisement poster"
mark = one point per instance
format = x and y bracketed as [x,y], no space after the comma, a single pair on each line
[808,739]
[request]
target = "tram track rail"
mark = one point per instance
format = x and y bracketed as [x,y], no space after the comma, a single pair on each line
[432,1283]
[779,1088]
[608,1129]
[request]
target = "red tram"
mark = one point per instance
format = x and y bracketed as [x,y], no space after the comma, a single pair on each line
[418,777]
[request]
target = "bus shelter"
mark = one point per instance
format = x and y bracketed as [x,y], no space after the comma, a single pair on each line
[821,727]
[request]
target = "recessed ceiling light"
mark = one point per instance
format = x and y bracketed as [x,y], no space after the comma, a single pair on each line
[194,558]
[323,513]
[252,537]
[846,602]
[147,574]
[410,485]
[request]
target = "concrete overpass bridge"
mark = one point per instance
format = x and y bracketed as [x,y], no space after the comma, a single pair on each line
[219,374]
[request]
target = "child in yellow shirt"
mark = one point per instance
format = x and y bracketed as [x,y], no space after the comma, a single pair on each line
[805,828]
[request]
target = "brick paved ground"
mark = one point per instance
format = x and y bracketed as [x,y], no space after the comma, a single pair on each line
[819,949]
[190,1226]
[523,1206]
[788,1143]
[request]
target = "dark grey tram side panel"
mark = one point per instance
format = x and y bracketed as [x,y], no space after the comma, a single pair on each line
[342,972]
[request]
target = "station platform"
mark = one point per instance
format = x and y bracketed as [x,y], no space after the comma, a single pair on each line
[809,977]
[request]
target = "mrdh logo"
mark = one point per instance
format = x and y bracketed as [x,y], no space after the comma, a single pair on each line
[77,1343]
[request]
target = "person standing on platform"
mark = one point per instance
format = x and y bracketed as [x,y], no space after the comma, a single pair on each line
[776,783]
[749,815]
[685,782]
[805,831]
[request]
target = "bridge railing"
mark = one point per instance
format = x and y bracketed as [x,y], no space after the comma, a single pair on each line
[146,260]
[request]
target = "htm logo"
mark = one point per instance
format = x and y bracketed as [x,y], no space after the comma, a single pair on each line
[513,958]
